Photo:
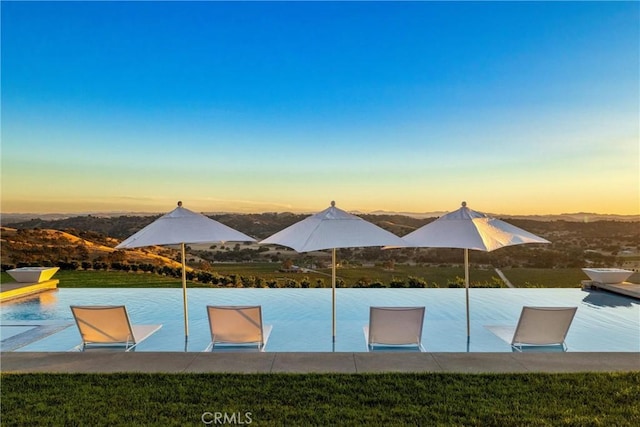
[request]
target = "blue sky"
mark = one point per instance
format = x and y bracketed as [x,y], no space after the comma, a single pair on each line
[517,108]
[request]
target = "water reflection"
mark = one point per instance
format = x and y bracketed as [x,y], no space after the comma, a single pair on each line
[48,298]
[606,299]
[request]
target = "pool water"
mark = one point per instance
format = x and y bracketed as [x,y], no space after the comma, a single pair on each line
[301,318]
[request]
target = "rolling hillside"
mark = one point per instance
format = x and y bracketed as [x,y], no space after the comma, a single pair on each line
[91,239]
[42,246]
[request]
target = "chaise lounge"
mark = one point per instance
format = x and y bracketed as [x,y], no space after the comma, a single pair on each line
[399,327]
[237,326]
[109,326]
[543,326]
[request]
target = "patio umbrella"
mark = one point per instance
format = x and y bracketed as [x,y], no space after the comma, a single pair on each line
[332,229]
[468,229]
[179,227]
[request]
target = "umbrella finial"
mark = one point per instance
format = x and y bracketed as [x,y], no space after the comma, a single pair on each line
[333,204]
[179,203]
[464,204]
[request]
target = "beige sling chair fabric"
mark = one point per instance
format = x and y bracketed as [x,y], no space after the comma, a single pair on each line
[109,326]
[395,326]
[237,325]
[543,326]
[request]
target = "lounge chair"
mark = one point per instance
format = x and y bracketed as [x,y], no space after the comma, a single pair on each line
[109,326]
[543,326]
[237,326]
[399,327]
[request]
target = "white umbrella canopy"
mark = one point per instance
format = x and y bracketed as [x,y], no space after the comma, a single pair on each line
[183,226]
[332,229]
[179,227]
[468,229]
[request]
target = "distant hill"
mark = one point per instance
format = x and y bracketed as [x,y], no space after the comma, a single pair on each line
[92,239]
[263,225]
[19,218]
[577,217]
[46,245]
[121,227]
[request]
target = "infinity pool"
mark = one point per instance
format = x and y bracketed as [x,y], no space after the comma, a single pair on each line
[301,318]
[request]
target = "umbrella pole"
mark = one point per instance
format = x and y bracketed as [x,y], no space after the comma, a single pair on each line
[333,291]
[466,285]
[184,292]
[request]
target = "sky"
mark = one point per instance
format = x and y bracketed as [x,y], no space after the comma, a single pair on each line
[513,107]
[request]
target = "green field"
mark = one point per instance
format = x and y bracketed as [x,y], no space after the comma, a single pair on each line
[519,277]
[110,279]
[582,399]
[269,271]
[545,277]
[551,277]
[352,274]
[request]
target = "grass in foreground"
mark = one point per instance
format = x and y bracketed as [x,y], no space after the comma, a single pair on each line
[329,399]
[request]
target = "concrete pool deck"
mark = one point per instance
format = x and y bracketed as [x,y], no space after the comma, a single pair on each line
[347,362]
[626,288]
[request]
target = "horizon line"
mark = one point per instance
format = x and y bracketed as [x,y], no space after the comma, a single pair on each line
[302,212]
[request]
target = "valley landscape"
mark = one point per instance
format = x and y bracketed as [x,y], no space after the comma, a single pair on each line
[85,243]
[112,111]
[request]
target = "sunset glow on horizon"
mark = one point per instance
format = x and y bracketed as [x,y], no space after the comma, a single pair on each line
[517,108]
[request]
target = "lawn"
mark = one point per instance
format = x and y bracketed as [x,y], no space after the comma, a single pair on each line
[268,271]
[352,274]
[545,277]
[550,277]
[110,279]
[519,277]
[598,399]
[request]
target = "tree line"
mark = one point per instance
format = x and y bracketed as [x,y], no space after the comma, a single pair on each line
[214,279]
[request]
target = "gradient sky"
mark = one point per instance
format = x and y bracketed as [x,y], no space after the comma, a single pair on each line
[517,108]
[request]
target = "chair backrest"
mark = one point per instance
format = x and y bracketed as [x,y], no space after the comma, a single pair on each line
[236,324]
[543,325]
[395,325]
[103,324]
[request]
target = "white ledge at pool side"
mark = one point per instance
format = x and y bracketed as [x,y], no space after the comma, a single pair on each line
[608,275]
[32,274]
